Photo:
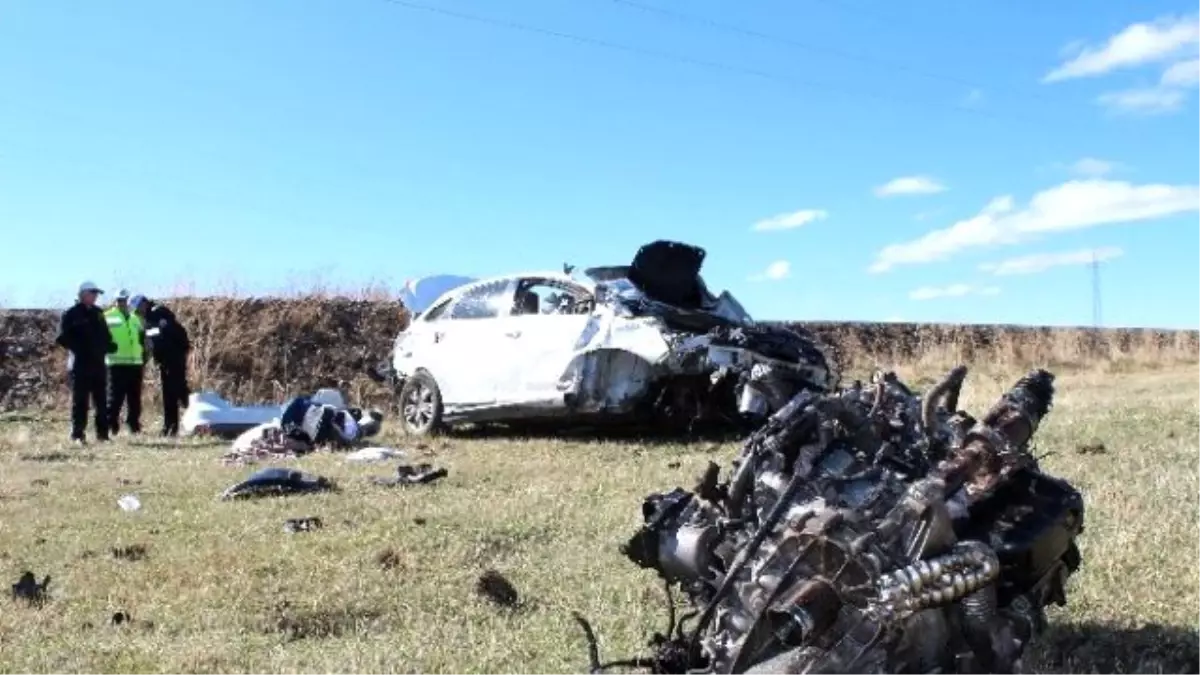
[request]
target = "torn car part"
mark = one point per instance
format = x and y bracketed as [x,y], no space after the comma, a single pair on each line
[278,481]
[644,342]
[209,414]
[870,530]
[407,474]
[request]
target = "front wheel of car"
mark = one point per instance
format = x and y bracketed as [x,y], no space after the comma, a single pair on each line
[421,405]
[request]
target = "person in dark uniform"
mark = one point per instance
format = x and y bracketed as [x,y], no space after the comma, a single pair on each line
[84,334]
[169,345]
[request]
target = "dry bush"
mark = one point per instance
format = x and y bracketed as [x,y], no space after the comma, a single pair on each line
[260,349]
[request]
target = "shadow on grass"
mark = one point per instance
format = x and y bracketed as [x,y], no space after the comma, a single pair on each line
[1104,648]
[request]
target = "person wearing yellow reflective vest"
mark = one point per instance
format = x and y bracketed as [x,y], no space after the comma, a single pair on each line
[125,365]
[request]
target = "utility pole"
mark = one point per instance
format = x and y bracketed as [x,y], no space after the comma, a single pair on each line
[1096,318]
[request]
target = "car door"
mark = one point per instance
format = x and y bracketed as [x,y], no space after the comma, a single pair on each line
[543,336]
[464,347]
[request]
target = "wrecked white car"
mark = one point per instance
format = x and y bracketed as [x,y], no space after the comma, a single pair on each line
[641,342]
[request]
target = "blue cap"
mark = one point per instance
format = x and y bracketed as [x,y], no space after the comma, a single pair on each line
[136,301]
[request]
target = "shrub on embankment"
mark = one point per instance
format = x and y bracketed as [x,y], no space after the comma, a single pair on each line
[258,349]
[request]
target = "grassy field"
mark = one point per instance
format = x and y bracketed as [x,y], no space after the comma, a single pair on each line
[388,583]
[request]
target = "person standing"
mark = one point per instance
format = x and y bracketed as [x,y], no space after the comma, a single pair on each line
[125,365]
[84,334]
[168,342]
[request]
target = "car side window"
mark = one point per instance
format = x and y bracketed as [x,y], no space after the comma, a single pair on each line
[548,296]
[483,302]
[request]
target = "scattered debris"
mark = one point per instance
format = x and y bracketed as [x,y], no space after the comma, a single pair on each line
[28,589]
[867,530]
[88,554]
[407,474]
[322,417]
[278,481]
[128,482]
[263,443]
[673,465]
[388,559]
[493,586]
[132,553]
[374,454]
[129,503]
[419,521]
[119,618]
[1096,448]
[294,525]
[40,482]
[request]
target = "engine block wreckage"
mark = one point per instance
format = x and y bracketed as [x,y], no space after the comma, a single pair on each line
[869,530]
[645,342]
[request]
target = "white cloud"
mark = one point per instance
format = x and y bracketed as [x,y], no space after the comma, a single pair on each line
[974,98]
[1182,74]
[910,185]
[951,291]
[1040,262]
[776,271]
[1092,167]
[1145,101]
[1074,205]
[1138,44]
[788,221]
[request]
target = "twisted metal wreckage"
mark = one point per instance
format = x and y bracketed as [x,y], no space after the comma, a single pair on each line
[868,530]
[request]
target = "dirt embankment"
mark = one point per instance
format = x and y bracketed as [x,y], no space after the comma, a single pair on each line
[269,349]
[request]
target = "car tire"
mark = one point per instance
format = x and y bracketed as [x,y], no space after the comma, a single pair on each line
[420,405]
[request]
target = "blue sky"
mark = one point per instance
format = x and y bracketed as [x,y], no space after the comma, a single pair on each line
[839,159]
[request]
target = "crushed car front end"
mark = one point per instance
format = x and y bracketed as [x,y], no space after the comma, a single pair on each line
[686,358]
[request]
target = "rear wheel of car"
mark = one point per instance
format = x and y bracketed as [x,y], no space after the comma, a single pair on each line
[421,405]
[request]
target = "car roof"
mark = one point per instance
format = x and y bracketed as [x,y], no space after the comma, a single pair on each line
[549,276]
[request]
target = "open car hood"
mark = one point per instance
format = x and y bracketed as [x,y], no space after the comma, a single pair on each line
[664,278]
[418,294]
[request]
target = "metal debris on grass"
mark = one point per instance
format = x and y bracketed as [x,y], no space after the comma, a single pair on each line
[868,530]
[278,481]
[294,525]
[407,474]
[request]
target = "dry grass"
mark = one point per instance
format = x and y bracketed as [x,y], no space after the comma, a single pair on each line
[388,583]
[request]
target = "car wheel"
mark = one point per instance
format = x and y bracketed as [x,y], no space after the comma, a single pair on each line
[421,405]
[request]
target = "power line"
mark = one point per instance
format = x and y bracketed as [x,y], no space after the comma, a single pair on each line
[718,25]
[702,63]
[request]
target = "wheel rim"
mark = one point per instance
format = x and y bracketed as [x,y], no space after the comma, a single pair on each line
[419,408]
